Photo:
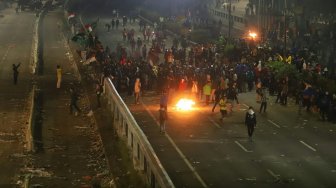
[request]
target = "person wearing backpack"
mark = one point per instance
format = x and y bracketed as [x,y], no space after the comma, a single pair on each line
[250,122]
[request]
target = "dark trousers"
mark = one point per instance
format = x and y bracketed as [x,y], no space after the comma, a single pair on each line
[73,105]
[207,99]
[323,113]
[284,99]
[214,106]
[278,99]
[250,129]
[15,78]
[263,107]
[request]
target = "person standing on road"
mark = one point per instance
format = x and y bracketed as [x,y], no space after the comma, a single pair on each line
[137,89]
[113,23]
[164,100]
[324,105]
[144,51]
[117,23]
[194,90]
[99,91]
[73,101]
[207,92]
[59,76]
[163,118]
[250,122]
[223,106]
[218,95]
[263,105]
[16,72]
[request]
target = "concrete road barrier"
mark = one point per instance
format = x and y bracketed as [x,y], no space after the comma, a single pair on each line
[144,158]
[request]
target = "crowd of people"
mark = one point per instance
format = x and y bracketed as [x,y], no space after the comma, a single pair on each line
[203,72]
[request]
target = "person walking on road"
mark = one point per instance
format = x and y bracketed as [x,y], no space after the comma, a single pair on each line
[137,89]
[59,76]
[16,72]
[73,101]
[250,122]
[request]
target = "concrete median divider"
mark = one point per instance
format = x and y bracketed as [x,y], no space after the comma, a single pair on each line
[144,158]
[36,58]
[29,132]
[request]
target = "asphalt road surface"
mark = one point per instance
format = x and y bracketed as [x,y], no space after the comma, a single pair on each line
[16,31]
[198,150]
[288,149]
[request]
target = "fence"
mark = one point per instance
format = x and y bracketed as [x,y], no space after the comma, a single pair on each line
[142,153]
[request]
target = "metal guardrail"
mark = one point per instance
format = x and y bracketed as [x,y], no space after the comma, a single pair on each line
[142,153]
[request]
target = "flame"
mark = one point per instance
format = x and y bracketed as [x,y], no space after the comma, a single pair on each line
[185,104]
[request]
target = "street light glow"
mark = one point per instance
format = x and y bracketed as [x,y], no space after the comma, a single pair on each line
[253,35]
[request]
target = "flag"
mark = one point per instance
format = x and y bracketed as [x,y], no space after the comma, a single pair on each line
[71,15]
[90,27]
[94,24]
[90,60]
[80,38]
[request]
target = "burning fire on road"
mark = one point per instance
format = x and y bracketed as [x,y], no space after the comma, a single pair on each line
[185,104]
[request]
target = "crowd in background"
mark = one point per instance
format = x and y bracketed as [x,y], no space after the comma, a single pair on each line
[199,70]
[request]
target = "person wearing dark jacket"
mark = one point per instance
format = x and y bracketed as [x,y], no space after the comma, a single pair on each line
[218,95]
[324,105]
[73,101]
[250,122]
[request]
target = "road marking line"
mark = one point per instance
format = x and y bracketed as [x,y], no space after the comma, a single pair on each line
[307,145]
[242,147]
[276,176]
[193,170]
[215,123]
[274,123]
